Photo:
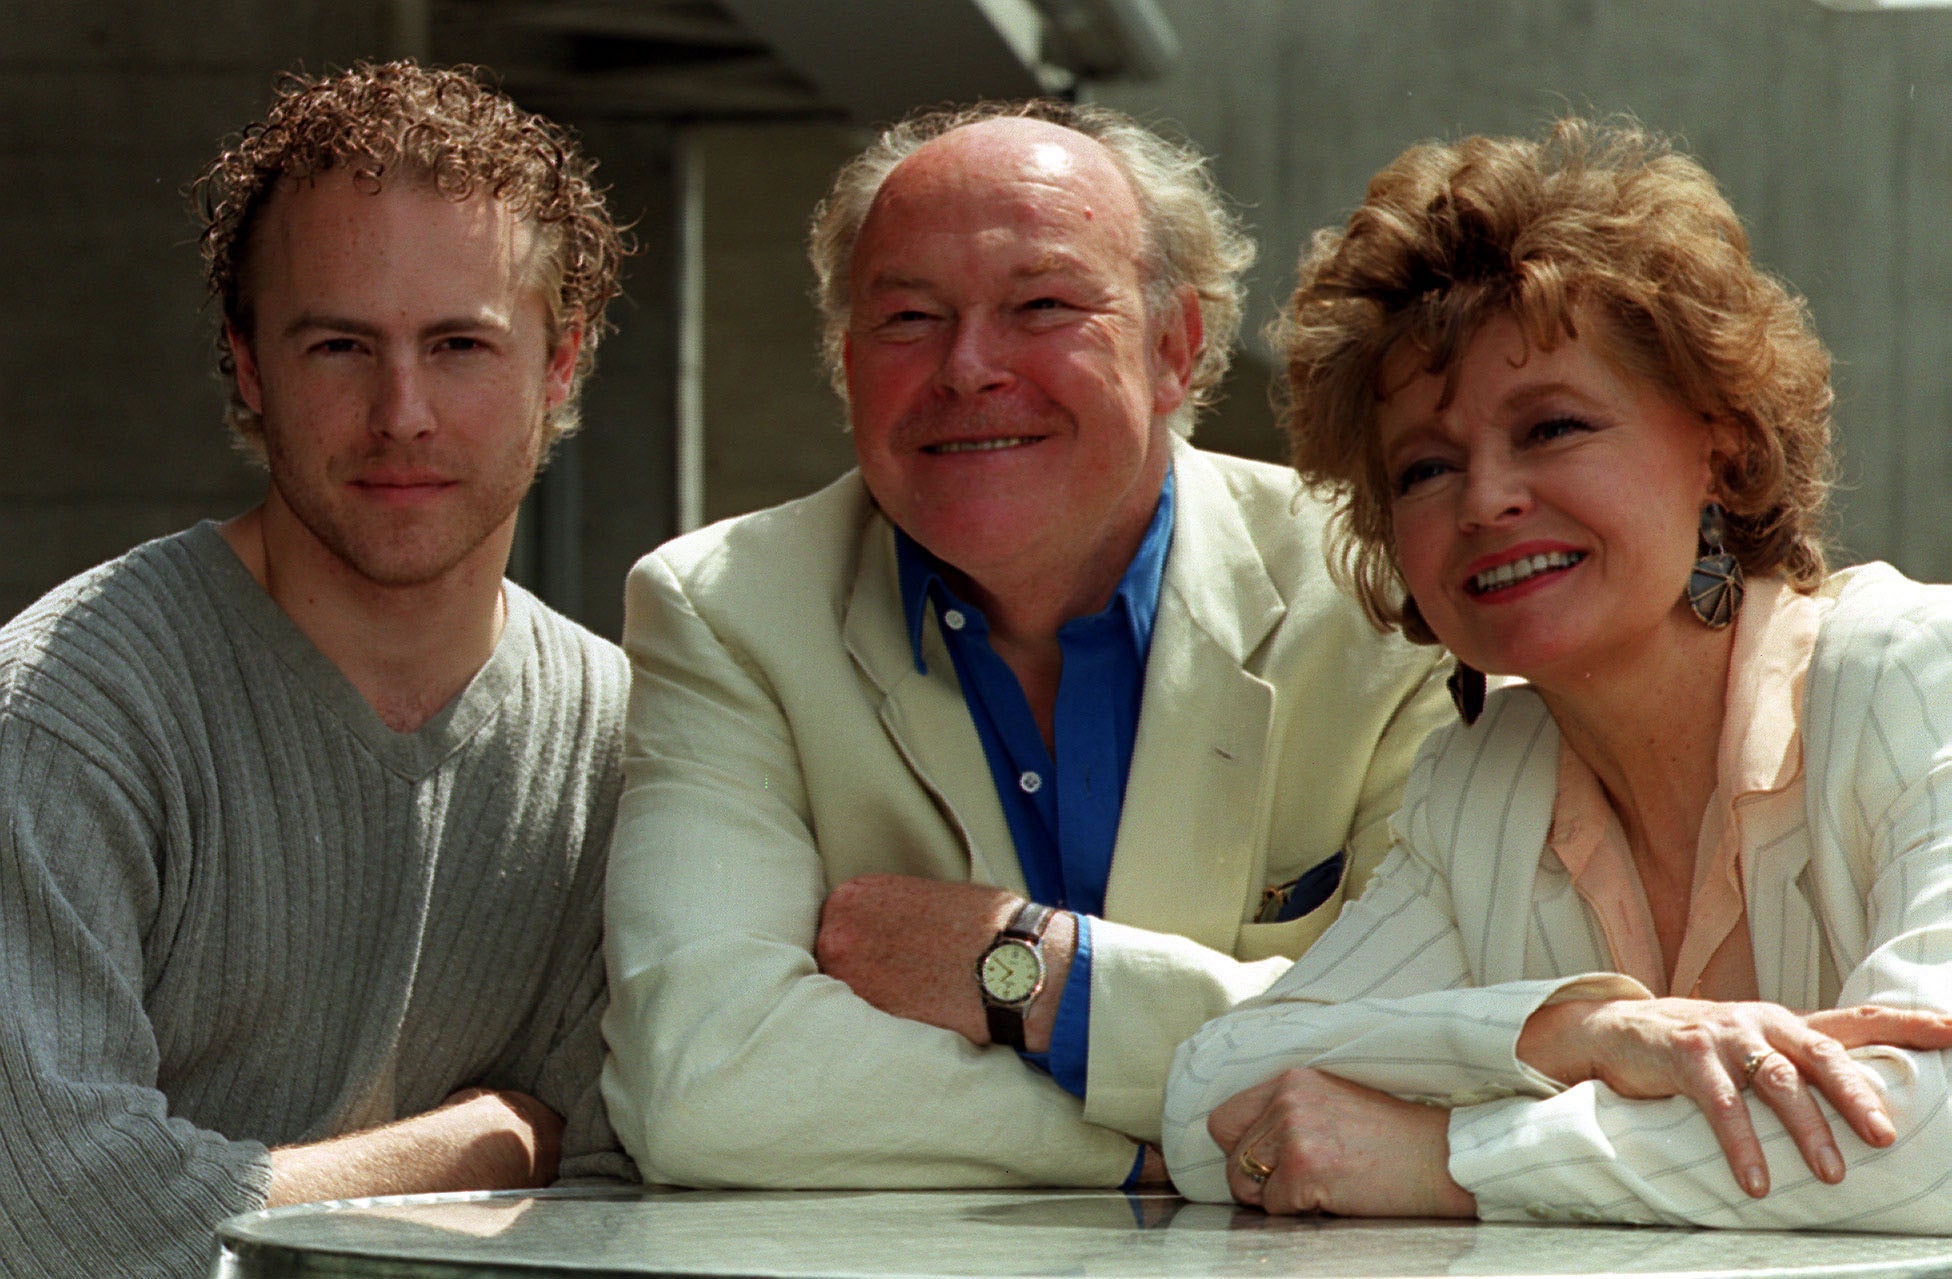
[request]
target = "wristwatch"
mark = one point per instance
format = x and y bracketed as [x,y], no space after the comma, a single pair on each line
[1011,972]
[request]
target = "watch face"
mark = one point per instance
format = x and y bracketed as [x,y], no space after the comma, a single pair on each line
[1011,972]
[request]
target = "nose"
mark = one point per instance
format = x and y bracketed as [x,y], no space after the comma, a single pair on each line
[1494,492]
[976,359]
[402,408]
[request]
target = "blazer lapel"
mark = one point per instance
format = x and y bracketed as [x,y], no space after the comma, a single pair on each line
[1489,812]
[1196,799]
[924,713]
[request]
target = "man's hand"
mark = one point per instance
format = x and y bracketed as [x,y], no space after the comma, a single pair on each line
[909,947]
[1337,1147]
[477,1139]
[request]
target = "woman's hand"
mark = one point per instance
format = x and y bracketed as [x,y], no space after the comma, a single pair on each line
[1328,1145]
[1709,1052]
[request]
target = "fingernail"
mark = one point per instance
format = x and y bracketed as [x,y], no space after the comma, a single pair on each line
[1882,1131]
[1756,1182]
[1830,1166]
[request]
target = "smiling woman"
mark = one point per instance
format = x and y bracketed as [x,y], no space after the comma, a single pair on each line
[1574,433]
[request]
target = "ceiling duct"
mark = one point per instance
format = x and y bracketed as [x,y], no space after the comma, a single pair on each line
[876,59]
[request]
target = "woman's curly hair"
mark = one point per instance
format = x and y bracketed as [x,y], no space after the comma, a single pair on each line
[443,126]
[1599,219]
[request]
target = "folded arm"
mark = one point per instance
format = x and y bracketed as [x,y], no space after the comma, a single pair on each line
[1528,1145]
[1380,1001]
[556,1057]
[97,1174]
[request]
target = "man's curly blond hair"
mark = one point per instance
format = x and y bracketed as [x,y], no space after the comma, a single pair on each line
[440,126]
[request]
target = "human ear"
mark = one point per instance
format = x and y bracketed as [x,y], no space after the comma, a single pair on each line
[1176,350]
[562,365]
[1727,454]
[250,388]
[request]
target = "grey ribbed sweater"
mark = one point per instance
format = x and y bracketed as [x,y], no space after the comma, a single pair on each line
[238,911]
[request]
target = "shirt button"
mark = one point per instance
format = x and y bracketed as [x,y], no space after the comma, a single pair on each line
[953,619]
[1031,783]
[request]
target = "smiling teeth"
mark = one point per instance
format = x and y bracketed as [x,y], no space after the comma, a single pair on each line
[979,446]
[1519,570]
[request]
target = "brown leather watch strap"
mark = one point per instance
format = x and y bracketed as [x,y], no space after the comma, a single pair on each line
[1006,1020]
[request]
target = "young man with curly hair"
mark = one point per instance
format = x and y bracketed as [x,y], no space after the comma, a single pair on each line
[305,812]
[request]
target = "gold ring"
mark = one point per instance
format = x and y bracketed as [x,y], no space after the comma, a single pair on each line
[1253,1169]
[1753,1062]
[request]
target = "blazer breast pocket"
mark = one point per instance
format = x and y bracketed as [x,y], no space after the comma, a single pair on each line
[1304,893]
[1294,914]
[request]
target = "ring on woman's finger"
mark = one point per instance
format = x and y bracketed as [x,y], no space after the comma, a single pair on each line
[1253,1169]
[1753,1062]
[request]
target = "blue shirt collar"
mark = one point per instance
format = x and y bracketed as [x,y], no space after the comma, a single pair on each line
[921,577]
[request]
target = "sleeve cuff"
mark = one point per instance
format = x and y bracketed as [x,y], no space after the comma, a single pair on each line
[1069,1057]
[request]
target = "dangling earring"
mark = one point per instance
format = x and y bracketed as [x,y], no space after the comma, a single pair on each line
[1715,584]
[1466,685]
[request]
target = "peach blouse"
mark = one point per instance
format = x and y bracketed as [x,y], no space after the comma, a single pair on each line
[1759,795]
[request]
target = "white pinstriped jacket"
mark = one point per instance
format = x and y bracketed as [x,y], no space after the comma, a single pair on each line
[1421,987]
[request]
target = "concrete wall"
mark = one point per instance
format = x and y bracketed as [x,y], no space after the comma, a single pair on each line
[619,474]
[773,428]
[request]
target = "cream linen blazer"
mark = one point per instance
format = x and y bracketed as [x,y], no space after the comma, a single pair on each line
[780,741]
[1420,989]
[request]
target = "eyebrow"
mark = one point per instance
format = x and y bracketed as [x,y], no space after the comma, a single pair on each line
[1427,428]
[1424,432]
[1525,395]
[1049,263]
[311,321]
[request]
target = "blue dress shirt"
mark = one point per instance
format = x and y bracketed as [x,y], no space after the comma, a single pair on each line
[1063,811]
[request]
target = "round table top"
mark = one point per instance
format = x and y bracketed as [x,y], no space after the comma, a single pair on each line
[872,1234]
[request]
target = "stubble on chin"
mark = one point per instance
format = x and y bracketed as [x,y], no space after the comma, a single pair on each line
[405,548]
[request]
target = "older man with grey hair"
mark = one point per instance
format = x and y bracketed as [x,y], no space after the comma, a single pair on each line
[958,793]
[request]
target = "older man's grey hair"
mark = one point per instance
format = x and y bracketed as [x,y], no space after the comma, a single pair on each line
[1192,237]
